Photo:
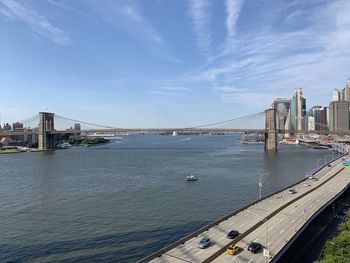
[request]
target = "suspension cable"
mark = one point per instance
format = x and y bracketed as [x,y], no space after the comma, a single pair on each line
[82,122]
[226,121]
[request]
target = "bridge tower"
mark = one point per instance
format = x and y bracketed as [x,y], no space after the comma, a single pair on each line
[46,141]
[271,130]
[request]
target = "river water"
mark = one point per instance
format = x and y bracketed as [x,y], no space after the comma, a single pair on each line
[121,201]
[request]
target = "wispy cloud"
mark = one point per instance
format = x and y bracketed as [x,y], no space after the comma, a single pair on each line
[37,22]
[233,8]
[174,88]
[199,11]
[174,91]
[271,59]
[128,17]
[167,93]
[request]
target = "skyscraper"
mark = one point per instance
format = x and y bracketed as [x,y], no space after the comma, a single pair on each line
[311,123]
[281,105]
[339,116]
[346,91]
[336,95]
[319,114]
[297,110]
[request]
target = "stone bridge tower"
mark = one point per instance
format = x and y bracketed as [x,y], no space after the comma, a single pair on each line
[46,141]
[271,130]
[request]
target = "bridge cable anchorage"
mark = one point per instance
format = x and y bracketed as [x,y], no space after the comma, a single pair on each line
[82,122]
[226,121]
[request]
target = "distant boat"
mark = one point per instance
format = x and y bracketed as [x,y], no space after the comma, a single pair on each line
[191,178]
[64,145]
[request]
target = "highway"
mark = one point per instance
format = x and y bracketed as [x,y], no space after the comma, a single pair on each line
[261,218]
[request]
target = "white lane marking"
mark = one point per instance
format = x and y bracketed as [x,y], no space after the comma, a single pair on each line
[268,244]
[250,260]
[241,225]
[271,228]
[293,220]
[311,206]
[190,247]
[235,257]
[281,219]
[255,240]
[281,231]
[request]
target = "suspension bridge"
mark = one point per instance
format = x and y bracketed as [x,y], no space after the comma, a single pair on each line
[48,125]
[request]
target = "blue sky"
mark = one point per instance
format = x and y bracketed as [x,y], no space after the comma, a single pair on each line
[168,63]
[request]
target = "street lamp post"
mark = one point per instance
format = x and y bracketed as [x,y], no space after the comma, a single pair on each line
[325,158]
[318,161]
[260,183]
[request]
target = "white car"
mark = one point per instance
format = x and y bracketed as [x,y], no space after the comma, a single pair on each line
[291,191]
[307,184]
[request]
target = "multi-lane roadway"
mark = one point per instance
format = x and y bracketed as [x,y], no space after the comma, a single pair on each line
[271,222]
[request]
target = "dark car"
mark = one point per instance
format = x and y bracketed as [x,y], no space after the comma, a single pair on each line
[254,247]
[233,234]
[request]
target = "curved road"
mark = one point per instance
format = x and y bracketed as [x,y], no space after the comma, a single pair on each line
[280,228]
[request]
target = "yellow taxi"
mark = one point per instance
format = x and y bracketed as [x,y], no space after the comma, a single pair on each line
[233,249]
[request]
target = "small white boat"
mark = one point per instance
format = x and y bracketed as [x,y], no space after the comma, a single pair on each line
[191,178]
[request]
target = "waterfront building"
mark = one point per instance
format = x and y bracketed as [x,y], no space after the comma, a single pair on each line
[306,120]
[326,116]
[323,122]
[297,110]
[77,126]
[18,127]
[281,105]
[7,127]
[339,116]
[342,94]
[319,114]
[346,91]
[287,124]
[311,123]
[336,95]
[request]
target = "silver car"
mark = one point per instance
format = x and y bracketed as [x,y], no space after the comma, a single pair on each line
[204,242]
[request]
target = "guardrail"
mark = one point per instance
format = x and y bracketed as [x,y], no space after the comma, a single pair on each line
[223,249]
[217,222]
[299,232]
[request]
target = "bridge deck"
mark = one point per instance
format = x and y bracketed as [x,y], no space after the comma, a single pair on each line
[280,227]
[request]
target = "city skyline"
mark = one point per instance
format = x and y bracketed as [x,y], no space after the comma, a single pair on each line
[179,63]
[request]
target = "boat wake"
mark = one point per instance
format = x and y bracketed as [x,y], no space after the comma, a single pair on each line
[183,140]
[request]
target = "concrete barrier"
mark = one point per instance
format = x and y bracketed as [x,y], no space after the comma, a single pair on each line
[196,233]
